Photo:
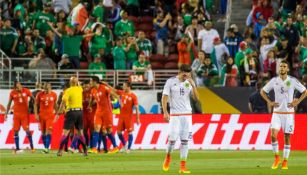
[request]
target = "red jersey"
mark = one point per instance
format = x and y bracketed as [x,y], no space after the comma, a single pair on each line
[102,98]
[20,99]
[86,101]
[128,101]
[46,103]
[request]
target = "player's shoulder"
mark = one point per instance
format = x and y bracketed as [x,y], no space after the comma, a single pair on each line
[294,79]
[172,79]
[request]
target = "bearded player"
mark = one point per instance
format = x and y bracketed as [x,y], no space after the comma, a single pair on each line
[176,92]
[46,103]
[283,112]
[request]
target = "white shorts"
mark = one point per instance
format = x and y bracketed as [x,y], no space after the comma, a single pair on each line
[284,121]
[180,126]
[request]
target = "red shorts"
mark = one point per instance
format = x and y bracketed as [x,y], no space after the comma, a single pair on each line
[105,120]
[46,123]
[125,123]
[88,121]
[21,120]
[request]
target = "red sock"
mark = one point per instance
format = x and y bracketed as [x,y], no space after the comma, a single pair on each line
[168,156]
[276,156]
[182,163]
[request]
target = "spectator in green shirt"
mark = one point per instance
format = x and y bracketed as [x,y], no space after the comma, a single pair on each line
[143,67]
[8,38]
[144,44]
[43,18]
[97,67]
[207,72]
[71,43]
[131,51]
[38,41]
[133,7]
[98,43]
[98,11]
[119,55]
[124,26]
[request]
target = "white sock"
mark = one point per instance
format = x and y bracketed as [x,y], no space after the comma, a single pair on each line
[287,151]
[275,147]
[184,150]
[170,147]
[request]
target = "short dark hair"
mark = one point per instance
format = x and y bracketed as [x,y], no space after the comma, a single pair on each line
[128,84]
[185,68]
[15,83]
[86,82]
[95,79]
[230,30]
[285,62]
[259,85]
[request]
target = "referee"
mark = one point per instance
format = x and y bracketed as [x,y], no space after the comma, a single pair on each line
[72,98]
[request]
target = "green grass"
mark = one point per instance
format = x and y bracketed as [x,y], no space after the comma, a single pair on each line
[149,162]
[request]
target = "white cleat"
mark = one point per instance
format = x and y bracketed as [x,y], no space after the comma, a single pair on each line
[19,151]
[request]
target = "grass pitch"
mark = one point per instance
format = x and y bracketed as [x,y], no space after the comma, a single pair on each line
[149,162]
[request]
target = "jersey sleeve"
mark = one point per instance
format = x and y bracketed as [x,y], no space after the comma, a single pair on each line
[269,86]
[299,86]
[167,88]
[29,93]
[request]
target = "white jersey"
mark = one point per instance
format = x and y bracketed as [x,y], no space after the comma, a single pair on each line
[284,91]
[179,95]
[207,37]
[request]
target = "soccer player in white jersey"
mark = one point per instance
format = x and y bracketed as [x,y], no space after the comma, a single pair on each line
[177,91]
[283,113]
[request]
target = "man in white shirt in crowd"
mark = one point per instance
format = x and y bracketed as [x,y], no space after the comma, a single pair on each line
[206,36]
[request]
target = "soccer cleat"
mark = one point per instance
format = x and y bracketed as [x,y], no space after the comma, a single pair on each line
[59,154]
[92,150]
[276,163]
[128,151]
[114,150]
[284,165]
[166,163]
[33,150]
[18,151]
[45,151]
[184,170]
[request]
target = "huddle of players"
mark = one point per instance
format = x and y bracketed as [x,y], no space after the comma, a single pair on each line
[97,114]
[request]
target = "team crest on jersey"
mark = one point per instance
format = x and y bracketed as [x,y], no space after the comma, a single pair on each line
[288,83]
[24,94]
[187,85]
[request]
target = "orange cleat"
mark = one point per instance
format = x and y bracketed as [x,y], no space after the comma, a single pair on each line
[92,150]
[114,150]
[166,163]
[276,163]
[284,165]
[183,169]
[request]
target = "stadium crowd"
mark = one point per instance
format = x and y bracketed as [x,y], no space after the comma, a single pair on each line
[118,34]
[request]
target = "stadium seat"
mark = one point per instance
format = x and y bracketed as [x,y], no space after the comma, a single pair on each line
[84,65]
[146,19]
[172,48]
[157,65]
[172,57]
[145,27]
[157,57]
[171,65]
[134,19]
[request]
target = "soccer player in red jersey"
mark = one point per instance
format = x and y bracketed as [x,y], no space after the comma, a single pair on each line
[125,122]
[103,116]
[20,97]
[88,115]
[46,103]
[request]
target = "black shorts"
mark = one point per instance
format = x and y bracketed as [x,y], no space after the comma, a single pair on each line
[73,118]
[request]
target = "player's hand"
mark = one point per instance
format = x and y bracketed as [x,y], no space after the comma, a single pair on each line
[166,117]
[138,121]
[56,118]
[273,104]
[191,81]
[293,104]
